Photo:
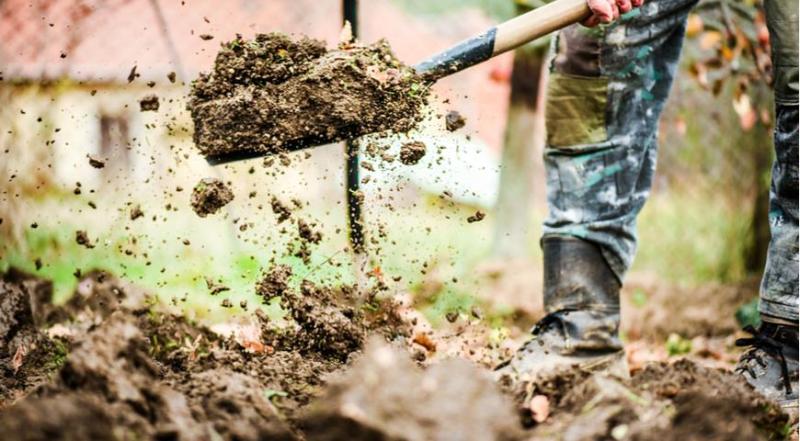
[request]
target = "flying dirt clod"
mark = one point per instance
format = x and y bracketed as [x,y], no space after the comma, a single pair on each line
[209,195]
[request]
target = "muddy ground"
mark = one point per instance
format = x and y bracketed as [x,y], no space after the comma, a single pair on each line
[275,93]
[111,364]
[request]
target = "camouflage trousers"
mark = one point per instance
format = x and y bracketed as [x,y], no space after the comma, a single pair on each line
[607,88]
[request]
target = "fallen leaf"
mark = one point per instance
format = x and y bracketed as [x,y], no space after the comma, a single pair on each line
[19,355]
[425,341]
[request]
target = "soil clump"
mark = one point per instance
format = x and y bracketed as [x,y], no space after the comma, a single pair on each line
[274,93]
[454,121]
[385,396]
[412,152]
[209,195]
[149,103]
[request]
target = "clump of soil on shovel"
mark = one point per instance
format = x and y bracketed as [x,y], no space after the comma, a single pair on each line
[273,94]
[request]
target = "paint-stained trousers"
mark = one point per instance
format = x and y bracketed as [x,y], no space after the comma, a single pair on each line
[608,86]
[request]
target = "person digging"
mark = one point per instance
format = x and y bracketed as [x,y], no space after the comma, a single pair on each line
[607,88]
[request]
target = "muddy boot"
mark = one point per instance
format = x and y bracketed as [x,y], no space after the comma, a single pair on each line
[581,298]
[770,363]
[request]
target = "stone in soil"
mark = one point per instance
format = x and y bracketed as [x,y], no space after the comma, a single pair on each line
[209,195]
[274,93]
[412,152]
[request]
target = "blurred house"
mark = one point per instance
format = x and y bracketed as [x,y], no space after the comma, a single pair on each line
[73,72]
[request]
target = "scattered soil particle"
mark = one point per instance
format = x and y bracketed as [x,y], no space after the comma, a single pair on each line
[412,152]
[307,233]
[477,217]
[385,396]
[454,121]
[136,212]
[132,74]
[149,103]
[82,238]
[96,162]
[209,195]
[280,209]
[206,37]
[274,93]
[171,77]
[215,288]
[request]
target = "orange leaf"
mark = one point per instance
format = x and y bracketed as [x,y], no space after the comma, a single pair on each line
[710,39]
[425,341]
[694,25]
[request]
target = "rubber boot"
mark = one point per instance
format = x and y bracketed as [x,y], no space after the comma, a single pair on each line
[770,362]
[581,328]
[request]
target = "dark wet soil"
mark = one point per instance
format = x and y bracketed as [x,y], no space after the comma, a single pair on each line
[111,365]
[275,93]
[209,195]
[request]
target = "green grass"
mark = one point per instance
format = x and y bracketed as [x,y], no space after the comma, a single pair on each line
[684,238]
[691,238]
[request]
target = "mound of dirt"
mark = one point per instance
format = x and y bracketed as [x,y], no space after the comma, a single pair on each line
[27,357]
[273,94]
[149,375]
[385,396]
[681,400]
[125,370]
[209,195]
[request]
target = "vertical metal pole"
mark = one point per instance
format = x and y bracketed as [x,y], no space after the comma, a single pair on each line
[354,216]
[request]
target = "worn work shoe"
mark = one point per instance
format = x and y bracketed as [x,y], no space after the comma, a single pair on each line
[770,363]
[581,297]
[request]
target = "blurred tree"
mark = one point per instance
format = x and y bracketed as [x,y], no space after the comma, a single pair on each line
[729,55]
[523,138]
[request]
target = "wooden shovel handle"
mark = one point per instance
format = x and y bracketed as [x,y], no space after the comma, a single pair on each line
[538,22]
[504,37]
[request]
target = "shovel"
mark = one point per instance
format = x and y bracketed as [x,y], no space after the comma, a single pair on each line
[497,40]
